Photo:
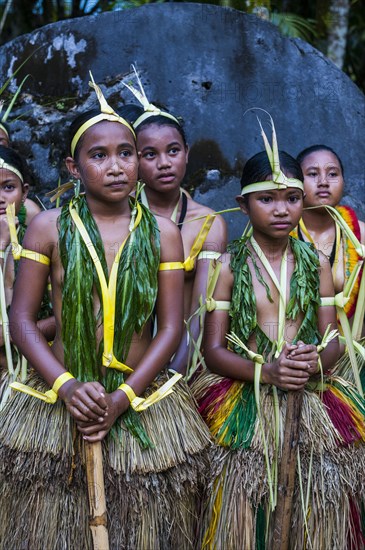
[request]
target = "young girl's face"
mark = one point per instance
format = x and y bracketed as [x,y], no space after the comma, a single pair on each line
[11,190]
[162,157]
[4,138]
[323,179]
[273,213]
[106,162]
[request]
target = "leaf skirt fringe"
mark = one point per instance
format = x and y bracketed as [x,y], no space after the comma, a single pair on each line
[153,495]
[329,494]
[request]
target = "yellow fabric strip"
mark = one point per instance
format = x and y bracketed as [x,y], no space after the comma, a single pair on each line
[49,396]
[209,255]
[17,250]
[168,266]
[94,120]
[198,243]
[140,404]
[35,256]
[108,290]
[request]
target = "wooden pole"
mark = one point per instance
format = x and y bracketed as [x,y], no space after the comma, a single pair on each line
[96,491]
[288,468]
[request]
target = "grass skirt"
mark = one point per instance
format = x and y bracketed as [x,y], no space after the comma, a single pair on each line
[343,366]
[152,495]
[328,506]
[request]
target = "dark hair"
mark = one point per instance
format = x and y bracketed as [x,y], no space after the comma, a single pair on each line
[319,147]
[78,122]
[14,159]
[258,168]
[132,112]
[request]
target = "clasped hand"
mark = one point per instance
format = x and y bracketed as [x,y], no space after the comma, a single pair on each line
[93,409]
[293,368]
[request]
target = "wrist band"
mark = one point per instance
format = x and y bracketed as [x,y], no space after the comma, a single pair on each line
[140,404]
[2,254]
[49,396]
[60,381]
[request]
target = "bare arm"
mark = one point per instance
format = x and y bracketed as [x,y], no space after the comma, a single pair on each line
[326,317]
[28,293]
[217,242]
[283,372]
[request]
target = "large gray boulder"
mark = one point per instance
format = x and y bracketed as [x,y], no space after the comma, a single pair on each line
[206,63]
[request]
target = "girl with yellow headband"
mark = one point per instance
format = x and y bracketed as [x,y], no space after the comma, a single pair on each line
[111,263]
[266,334]
[163,156]
[13,193]
[335,230]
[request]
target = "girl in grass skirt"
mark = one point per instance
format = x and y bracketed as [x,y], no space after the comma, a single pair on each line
[111,263]
[13,223]
[268,299]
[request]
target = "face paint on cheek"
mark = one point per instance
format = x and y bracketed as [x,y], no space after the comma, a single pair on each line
[91,173]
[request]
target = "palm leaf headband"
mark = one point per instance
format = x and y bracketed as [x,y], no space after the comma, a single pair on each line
[149,108]
[279,179]
[107,113]
[12,168]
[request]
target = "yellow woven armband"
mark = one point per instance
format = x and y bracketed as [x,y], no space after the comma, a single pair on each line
[169,266]
[49,396]
[140,404]
[35,256]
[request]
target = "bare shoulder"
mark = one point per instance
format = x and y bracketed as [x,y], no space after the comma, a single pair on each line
[195,209]
[32,209]
[42,233]
[170,238]
[217,237]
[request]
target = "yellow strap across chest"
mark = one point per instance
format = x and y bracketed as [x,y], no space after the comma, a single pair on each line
[108,291]
[189,262]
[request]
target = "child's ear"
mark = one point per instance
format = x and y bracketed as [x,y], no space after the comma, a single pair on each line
[72,167]
[243,204]
[25,188]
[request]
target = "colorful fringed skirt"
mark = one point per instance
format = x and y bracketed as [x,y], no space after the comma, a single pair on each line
[329,496]
[153,495]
